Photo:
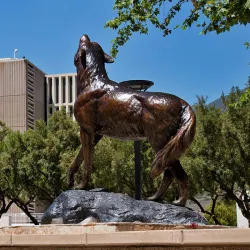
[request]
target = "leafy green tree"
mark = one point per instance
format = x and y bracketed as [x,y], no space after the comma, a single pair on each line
[225,212]
[12,149]
[244,99]
[46,146]
[114,167]
[31,163]
[4,203]
[218,161]
[214,15]
[201,156]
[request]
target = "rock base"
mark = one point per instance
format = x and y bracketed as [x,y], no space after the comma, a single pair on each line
[76,206]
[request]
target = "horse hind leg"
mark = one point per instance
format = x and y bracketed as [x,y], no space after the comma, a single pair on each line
[182,179]
[174,170]
[167,180]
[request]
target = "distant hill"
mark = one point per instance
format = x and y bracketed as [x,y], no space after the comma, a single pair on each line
[219,104]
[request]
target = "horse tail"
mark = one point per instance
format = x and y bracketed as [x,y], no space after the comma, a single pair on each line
[178,144]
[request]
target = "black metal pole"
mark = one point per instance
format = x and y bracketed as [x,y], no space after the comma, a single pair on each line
[137,151]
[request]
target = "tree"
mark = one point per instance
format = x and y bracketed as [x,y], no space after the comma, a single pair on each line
[244,99]
[4,203]
[225,212]
[200,157]
[114,167]
[218,161]
[31,163]
[214,15]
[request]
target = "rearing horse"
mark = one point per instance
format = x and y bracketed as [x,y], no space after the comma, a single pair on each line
[105,108]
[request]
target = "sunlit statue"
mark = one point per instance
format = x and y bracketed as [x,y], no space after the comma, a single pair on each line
[103,108]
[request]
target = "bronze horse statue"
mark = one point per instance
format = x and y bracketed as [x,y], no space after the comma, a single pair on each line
[105,108]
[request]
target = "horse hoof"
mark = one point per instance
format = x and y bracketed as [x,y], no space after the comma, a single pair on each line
[180,202]
[152,198]
[80,187]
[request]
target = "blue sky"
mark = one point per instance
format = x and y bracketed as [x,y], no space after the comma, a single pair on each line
[185,63]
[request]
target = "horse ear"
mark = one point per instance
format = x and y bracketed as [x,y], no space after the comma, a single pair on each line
[108,58]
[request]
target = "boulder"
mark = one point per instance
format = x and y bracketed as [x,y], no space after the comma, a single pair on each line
[74,206]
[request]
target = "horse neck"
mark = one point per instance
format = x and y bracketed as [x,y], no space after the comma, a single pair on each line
[98,77]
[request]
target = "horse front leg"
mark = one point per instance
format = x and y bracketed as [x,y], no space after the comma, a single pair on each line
[76,163]
[88,150]
[88,144]
[74,167]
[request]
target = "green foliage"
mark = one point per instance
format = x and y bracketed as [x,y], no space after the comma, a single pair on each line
[218,161]
[244,99]
[225,213]
[31,163]
[114,167]
[213,15]
[247,44]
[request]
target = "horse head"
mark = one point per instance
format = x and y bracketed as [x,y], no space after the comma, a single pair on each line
[90,62]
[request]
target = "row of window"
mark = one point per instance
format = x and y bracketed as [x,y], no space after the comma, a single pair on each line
[70,110]
[31,96]
[55,99]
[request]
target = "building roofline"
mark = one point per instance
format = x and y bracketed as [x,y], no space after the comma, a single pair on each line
[61,74]
[34,65]
[20,59]
[26,60]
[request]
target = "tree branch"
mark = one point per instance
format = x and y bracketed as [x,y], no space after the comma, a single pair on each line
[214,203]
[127,183]
[216,221]
[194,3]
[26,211]
[230,193]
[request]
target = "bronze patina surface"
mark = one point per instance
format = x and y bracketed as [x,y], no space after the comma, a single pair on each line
[105,108]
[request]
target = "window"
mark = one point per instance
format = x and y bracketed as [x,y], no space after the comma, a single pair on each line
[50,90]
[71,111]
[57,89]
[70,89]
[63,89]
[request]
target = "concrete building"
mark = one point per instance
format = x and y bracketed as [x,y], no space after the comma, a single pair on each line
[22,102]
[26,95]
[22,93]
[61,92]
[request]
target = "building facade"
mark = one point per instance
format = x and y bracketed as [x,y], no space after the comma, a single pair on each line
[26,95]
[22,93]
[61,92]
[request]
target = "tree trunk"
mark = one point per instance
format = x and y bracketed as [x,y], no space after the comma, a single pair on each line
[25,209]
[4,209]
[242,205]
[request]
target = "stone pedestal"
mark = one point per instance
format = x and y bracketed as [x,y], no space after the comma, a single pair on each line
[124,236]
[75,206]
